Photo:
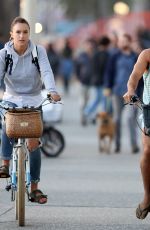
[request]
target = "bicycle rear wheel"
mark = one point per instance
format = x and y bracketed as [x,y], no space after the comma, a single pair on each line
[21,187]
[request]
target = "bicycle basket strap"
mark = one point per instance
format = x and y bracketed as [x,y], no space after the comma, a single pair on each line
[24,124]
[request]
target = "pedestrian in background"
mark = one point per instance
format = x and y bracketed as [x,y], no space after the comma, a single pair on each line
[117,74]
[100,58]
[54,58]
[66,68]
[84,72]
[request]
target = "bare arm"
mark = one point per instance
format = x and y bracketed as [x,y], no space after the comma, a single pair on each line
[137,73]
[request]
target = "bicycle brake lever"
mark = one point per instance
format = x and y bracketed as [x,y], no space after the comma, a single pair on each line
[134,99]
[49,96]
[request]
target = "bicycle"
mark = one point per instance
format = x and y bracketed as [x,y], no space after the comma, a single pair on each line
[145,116]
[30,126]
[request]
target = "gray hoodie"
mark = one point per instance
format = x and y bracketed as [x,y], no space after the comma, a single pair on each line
[25,78]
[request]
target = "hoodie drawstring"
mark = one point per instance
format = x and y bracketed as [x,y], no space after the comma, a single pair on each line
[9,62]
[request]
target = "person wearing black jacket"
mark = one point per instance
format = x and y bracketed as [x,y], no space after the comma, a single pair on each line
[100,58]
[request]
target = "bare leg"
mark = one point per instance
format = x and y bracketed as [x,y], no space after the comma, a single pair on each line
[145,170]
[5,162]
[34,186]
[32,144]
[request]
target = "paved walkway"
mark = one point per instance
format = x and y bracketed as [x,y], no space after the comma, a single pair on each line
[86,190]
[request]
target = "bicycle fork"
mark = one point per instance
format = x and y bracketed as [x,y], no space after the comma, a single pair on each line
[27,171]
[12,185]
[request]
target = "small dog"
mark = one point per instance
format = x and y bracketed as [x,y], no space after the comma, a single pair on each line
[106,131]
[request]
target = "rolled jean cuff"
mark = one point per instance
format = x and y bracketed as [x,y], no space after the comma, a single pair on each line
[35,181]
[5,158]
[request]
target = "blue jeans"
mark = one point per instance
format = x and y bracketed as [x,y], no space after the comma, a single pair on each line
[118,107]
[7,147]
[99,99]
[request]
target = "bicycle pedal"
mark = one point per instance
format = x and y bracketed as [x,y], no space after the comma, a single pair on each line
[8,187]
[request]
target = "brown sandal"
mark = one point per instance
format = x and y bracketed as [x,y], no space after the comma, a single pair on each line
[4,171]
[142,213]
[36,196]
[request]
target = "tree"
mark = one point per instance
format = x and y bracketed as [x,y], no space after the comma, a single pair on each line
[87,8]
[99,8]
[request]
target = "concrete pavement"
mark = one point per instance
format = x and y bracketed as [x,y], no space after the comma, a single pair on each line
[86,190]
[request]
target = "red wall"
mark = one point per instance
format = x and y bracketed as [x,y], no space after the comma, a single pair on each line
[119,24]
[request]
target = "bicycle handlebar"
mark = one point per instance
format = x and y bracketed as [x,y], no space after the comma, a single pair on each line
[134,99]
[30,108]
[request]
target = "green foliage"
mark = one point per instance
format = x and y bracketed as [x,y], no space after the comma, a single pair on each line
[88,8]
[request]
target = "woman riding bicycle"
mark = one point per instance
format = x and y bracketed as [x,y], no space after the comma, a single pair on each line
[142,67]
[23,84]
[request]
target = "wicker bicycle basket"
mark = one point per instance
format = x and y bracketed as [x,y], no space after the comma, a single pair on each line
[23,124]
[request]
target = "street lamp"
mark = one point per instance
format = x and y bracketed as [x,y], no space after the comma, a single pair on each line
[121,8]
[38,28]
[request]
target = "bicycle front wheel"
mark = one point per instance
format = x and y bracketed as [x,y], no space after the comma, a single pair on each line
[21,187]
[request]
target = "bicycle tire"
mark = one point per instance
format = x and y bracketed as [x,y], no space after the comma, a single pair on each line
[16,205]
[21,187]
[53,142]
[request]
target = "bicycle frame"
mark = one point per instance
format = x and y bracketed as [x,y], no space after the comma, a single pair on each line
[19,149]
